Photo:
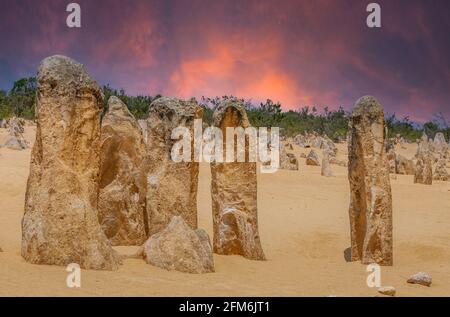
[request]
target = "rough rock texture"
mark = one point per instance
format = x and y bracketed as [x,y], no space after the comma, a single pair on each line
[328,145]
[316,142]
[326,168]
[121,204]
[338,162]
[440,171]
[143,127]
[16,141]
[420,278]
[391,157]
[424,170]
[404,166]
[60,224]
[312,159]
[321,142]
[423,146]
[234,194]
[171,186]
[439,143]
[16,125]
[179,247]
[387,290]
[370,189]
[289,146]
[288,161]
[302,141]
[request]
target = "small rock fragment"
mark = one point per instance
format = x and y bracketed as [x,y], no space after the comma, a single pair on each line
[312,159]
[387,290]
[420,278]
[179,247]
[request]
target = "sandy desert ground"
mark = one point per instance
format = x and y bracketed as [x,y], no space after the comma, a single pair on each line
[304,229]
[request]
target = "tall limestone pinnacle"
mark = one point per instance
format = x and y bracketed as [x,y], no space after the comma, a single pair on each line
[171,186]
[60,224]
[234,193]
[122,180]
[370,190]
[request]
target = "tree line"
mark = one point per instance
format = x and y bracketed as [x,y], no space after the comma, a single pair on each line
[21,99]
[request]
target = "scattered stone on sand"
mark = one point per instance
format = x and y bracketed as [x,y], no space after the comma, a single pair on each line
[316,142]
[440,171]
[179,247]
[420,278]
[327,145]
[338,162]
[301,141]
[326,168]
[423,147]
[404,166]
[312,159]
[424,170]
[370,189]
[234,193]
[60,224]
[16,126]
[171,186]
[288,161]
[439,143]
[122,180]
[387,290]
[16,141]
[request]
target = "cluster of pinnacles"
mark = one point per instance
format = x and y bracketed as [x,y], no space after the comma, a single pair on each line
[98,182]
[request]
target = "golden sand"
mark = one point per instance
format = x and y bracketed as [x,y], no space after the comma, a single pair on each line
[304,228]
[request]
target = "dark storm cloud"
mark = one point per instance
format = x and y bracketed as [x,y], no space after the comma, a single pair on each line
[298,52]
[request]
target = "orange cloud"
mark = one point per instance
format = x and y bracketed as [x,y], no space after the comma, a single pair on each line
[296,52]
[245,69]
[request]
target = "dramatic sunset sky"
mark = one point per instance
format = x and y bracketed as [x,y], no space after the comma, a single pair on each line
[298,52]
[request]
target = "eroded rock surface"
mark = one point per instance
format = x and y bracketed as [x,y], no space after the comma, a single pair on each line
[171,186]
[391,157]
[326,167]
[179,247]
[440,171]
[234,194]
[370,190]
[60,224]
[387,290]
[16,140]
[420,278]
[338,162]
[122,177]
[312,159]
[439,143]
[424,170]
[288,160]
[404,166]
